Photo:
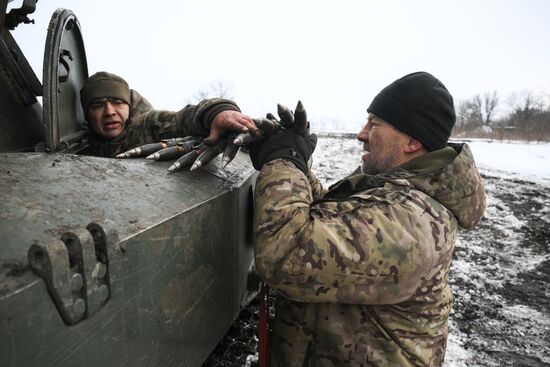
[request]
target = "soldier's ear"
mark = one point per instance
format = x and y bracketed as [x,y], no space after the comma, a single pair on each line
[413,146]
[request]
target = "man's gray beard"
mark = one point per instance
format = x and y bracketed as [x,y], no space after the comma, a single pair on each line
[376,169]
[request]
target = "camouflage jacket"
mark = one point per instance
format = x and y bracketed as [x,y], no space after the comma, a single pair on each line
[146,125]
[363,273]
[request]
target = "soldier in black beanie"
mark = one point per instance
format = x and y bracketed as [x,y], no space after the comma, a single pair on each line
[362,270]
[411,116]
[419,105]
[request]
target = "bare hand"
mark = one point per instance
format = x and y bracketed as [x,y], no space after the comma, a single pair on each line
[230,120]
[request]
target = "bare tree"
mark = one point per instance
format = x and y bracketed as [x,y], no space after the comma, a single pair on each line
[478,110]
[490,103]
[216,88]
[525,105]
[528,117]
[469,112]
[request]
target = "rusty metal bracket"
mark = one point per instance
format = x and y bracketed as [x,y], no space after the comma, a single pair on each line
[76,269]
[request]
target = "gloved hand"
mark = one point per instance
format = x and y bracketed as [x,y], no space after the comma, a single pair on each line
[287,144]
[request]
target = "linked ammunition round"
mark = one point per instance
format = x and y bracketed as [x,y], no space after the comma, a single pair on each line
[286,116]
[208,154]
[169,153]
[188,158]
[229,153]
[143,150]
[300,118]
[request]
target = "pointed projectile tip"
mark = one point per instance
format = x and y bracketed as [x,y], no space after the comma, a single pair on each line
[237,141]
[196,166]
[174,167]
[129,154]
[299,107]
[151,156]
[226,161]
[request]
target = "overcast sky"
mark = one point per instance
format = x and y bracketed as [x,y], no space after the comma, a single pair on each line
[333,55]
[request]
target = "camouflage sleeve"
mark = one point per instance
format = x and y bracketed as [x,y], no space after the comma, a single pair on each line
[193,120]
[368,250]
[150,127]
[138,104]
[317,189]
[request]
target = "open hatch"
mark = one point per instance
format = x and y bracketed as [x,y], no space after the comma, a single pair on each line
[65,70]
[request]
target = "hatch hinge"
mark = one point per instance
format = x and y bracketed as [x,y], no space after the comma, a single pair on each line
[75,268]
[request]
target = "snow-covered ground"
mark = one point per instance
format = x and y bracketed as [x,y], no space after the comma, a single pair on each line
[529,162]
[515,160]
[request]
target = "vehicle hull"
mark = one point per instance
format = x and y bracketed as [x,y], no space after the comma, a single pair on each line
[178,255]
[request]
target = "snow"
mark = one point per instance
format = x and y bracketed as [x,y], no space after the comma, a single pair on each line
[519,160]
[511,160]
[456,355]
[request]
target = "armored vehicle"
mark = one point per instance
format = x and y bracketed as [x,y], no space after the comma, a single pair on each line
[104,261]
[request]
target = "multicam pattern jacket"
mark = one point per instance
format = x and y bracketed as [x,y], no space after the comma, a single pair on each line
[362,271]
[146,125]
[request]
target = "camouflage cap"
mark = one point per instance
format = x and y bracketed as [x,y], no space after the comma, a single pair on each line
[103,84]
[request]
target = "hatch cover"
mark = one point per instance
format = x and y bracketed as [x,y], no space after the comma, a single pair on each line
[65,70]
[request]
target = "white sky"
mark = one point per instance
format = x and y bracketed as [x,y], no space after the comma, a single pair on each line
[333,55]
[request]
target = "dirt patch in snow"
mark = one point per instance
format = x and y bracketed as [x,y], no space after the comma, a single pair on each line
[501,281]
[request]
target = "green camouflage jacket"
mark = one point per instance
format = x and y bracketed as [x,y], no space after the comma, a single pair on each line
[146,125]
[363,273]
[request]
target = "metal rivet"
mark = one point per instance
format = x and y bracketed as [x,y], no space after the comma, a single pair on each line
[101,269]
[103,293]
[79,307]
[76,282]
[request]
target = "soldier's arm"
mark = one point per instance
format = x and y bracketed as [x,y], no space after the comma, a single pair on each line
[211,118]
[349,252]
[192,120]
[317,189]
[196,120]
[150,127]
[138,104]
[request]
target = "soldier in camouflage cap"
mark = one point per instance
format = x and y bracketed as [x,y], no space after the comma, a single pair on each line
[121,119]
[362,270]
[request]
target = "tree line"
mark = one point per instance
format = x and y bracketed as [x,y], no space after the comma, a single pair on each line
[522,116]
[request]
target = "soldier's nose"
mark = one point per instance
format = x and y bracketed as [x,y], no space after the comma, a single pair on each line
[363,135]
[108,108]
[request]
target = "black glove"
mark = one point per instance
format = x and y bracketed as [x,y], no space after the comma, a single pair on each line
[286,144]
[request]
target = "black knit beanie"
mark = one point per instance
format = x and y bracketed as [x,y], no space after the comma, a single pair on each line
[419,105]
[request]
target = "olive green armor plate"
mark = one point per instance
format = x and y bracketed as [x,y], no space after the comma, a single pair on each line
[158,273]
